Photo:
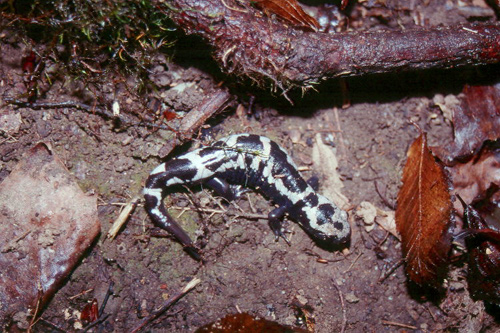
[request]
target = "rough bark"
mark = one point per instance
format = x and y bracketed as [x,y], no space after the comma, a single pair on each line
[246,42]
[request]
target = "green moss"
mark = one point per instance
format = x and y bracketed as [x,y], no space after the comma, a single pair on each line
[87,37]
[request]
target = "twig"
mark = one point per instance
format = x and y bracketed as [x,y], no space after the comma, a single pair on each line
[250,203]
[83,107]
[34,319]
[386,322]
[95,323]
[384,199]
[352,264]
[168,303]
[432,314]
[53,326]
[39,309]
[123,217]
[339,131]
[109,292]
[391,270]
[344,312]
[81,293]
[22,236]
[220,211]
[319,258]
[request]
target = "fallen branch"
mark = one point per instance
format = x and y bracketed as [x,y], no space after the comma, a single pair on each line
[211,104]
[248,43]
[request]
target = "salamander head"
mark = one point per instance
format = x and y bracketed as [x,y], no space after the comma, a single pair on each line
[327,223]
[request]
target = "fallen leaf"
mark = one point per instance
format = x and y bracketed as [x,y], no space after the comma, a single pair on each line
[367,212]
[483,245]
[472,180]
[290,11]
[424,216]
[325,162]
[90,312]
[475,120]
[370,214]
[169,115]
[447,104]
[245,323]
[387,220]
[46,224]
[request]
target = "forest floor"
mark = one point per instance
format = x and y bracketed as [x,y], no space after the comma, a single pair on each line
[246,270]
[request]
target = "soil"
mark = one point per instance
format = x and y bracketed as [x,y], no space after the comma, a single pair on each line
[246,270]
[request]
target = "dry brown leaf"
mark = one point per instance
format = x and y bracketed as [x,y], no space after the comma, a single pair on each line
[473,179]
[290,11]
[46,224]
[475,120]
[424,215]
[370,214]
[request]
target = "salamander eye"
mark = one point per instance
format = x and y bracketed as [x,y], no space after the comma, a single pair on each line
[325,213]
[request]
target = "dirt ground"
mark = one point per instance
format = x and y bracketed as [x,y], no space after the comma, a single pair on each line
[246,270]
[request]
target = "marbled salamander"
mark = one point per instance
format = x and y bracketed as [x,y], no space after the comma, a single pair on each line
[251,161]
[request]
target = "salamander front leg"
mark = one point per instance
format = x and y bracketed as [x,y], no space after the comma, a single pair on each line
[276,222]
[226,190]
